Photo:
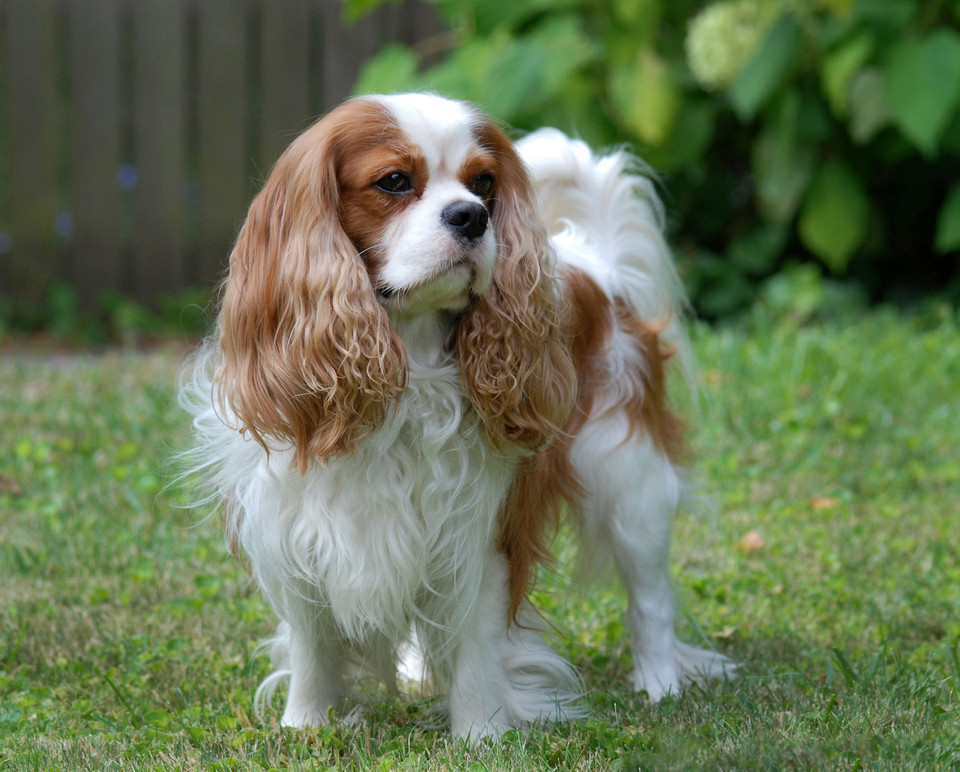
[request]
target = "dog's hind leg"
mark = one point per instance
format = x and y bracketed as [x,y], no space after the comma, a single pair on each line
[632,492]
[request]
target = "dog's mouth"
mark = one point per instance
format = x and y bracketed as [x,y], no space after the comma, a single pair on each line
[455,284]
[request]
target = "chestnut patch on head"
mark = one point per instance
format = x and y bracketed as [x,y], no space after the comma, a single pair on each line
[479,175]
[380,175]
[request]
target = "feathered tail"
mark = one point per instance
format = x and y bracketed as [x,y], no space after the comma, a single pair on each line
[605,217]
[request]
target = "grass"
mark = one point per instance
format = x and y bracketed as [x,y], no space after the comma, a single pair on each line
[831,572]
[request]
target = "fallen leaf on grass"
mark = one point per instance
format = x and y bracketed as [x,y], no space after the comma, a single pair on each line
[244,718]
[726,633]
[823,502]
[751,542]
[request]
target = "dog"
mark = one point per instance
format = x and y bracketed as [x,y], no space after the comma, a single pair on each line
[433,347]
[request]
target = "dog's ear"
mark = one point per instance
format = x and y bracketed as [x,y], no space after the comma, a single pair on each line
[309,357]
[516,364]
[518,368]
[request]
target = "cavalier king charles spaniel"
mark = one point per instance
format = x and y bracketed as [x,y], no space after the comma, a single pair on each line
[433,348]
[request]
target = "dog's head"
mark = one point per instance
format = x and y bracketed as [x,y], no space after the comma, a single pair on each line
[386,209]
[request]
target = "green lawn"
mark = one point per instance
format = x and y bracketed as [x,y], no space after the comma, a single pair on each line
[825,559]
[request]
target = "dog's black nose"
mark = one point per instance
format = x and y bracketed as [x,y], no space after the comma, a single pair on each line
[467,219]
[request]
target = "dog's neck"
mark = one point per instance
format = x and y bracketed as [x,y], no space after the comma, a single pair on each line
[426,336]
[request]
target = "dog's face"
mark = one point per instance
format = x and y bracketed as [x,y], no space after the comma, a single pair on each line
[416,199]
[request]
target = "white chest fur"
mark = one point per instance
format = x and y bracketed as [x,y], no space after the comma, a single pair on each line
[395,531]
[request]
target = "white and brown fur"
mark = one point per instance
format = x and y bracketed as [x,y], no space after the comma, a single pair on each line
[406,385]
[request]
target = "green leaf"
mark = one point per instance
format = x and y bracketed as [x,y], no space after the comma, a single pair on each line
[948,223]
[467,73]
[923,86]
[692,133]
[838,7]
[782,162]
[637,19]
[950,142]
[835,214]
[718,288]
[757,251]
[782,170]
[534,69]
[354,10]
[889,15]
[646,97]
[142,570]
[510,76]
[838,68]
[797,290]
[769,69]
[207,585]
[868,105]
[393,69]
[487,16]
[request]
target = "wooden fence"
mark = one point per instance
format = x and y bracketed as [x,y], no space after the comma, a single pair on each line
[133,133]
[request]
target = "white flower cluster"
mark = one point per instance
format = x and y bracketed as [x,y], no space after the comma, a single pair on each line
[723,37]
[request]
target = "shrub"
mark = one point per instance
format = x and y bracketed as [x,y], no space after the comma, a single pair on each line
[816,132]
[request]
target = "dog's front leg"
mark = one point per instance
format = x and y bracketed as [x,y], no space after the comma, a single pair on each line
[505,675]
[314,658]
[478,684]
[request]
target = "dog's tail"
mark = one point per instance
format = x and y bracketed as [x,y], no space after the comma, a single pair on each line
[604,216]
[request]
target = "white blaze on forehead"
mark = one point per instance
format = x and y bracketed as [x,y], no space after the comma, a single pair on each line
[441,128]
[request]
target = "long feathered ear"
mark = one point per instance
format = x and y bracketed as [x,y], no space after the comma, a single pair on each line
[515,362]
[309,356]
[518,368]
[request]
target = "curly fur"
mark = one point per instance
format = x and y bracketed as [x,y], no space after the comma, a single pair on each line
[308,355]
[422,360]
[515,362]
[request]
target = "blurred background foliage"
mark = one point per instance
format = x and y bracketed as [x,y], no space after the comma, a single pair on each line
[809,150]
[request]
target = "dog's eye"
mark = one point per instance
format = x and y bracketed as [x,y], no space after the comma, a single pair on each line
[395,182]
[482,185]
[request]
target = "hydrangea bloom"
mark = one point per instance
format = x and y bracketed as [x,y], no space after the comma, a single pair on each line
[723,37]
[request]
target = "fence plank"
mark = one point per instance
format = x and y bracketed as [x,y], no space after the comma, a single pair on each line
[6,194]
[32,80]
[345,49]
[414,22]
[95,146]
[224,153]
[285,84]
[159,140]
